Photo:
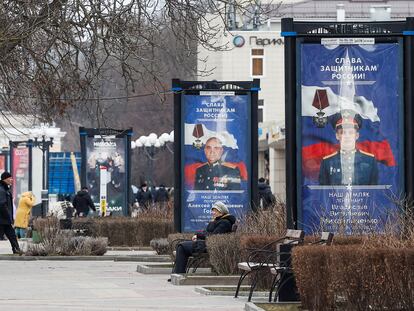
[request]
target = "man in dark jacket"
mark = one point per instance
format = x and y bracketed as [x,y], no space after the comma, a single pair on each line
[6,212]
[161,195]
[144,197]
[266,197]
[82,202]
[222,223]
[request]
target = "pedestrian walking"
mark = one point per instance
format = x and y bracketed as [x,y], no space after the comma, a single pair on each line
[162,196]
[21,223]
[82,203]
[6,212]
[266,197]
[144,197]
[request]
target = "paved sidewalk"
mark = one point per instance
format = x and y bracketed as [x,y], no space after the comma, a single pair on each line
[96,285]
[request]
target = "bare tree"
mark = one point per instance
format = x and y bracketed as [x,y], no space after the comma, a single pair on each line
[57,54]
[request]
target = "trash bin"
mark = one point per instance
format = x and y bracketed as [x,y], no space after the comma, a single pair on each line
[36,237]
[288,290]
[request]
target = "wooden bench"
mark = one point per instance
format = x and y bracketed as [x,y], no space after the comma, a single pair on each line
[264,258]
[282,270]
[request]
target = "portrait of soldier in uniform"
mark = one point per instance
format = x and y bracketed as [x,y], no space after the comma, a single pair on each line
[215,174]
[349,165]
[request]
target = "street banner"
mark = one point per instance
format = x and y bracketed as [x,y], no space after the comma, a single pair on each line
[216,156]
[20,159]
[105,168]
[351,136]
[3,162]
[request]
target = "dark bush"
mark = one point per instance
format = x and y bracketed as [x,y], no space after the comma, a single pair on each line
[124,231]
[271,221]
[250,241]
[224,252]
[55,241]
[46,226]
[67,245]
[359,277]
[160,245]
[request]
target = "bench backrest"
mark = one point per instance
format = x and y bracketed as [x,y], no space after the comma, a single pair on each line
[294,236]
[326,238]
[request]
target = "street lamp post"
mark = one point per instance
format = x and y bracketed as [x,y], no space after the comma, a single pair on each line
[44,145]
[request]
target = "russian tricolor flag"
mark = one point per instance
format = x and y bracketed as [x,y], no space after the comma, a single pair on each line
[320,142]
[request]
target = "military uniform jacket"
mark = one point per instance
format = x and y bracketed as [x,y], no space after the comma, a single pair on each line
[218,176]
[365,169]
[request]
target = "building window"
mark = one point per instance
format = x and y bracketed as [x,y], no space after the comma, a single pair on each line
[260,105]
[257,63]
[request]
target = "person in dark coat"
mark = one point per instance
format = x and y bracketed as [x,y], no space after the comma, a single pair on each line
[6,212]
[82,202]
[144,197]
[266,197]
[222,223]
[161,195]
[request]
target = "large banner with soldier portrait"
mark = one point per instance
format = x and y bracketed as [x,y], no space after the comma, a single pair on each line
[105,159]
[216,155]
[351,136]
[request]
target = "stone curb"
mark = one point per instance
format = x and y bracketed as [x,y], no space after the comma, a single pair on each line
[205,291]
[151,258]
[153,269]
[250,306]
[215,280]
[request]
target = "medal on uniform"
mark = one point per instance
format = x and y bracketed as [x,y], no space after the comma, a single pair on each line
[197,134]
[320,101]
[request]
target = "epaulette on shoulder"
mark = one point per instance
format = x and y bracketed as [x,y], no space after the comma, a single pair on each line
[330,155]
[230,165]
[367,153]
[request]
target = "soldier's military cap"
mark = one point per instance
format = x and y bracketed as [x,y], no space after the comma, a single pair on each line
[346,119]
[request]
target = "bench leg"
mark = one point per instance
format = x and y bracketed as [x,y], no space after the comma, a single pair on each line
[198,263]
[275,282]
[190,262]
[253,286]
[242,276]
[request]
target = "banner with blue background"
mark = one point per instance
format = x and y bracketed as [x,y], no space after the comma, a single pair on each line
[215,155]
[351,136]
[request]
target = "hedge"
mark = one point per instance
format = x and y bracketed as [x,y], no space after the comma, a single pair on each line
[358,278]
[123,231]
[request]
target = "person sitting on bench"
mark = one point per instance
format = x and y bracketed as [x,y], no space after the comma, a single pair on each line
[222,223]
